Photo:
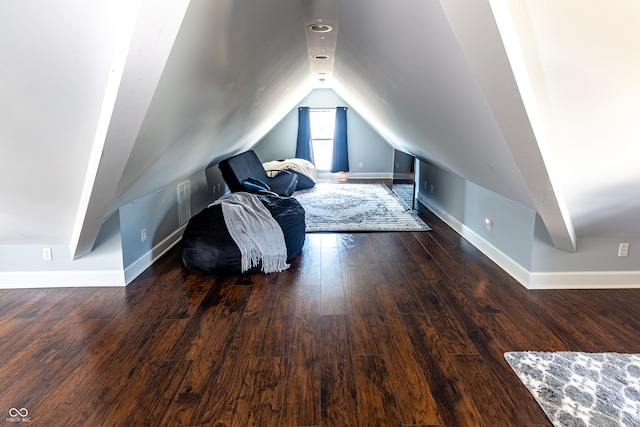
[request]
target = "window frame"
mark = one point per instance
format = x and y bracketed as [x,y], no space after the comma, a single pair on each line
[324,143]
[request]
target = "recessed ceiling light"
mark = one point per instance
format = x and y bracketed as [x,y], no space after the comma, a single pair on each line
[320,57]
[320,28]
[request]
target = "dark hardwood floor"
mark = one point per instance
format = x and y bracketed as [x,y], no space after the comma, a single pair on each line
[365,329]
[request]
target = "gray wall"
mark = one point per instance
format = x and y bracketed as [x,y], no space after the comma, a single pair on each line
[157,213]
[517,232]
[594,253]
[366,146]
[512,224]
[403,166]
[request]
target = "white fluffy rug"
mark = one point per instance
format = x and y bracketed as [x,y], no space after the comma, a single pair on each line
[356,207]
[582,389]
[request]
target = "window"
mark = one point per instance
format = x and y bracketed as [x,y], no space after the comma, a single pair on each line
[322,126]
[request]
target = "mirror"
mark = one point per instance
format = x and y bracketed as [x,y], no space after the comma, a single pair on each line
[403,182]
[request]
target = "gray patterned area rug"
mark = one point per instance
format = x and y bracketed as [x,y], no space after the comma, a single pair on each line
[356,207]
[582,389]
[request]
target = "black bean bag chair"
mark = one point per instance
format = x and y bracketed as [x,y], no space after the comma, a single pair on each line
[304,182]
[241,167]
[207,246]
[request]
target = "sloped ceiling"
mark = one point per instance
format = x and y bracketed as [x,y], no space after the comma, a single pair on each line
[236,68]
[583,64]
[401,66]
[428,76]
[412,68]
[74,151]
[55,62]
[439,103]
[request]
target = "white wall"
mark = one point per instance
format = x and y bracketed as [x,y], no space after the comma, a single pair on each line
[56,60]
[22,266]
[583,62]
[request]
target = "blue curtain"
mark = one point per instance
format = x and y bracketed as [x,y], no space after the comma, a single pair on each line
[303,146]
[340,161]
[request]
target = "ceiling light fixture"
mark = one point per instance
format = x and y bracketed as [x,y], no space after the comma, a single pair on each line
[320,28]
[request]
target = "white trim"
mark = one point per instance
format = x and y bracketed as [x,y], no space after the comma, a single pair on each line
[539,280]
[512,268]
[81,242]
[585,280]
[355,175]
[145,261]
[88,278]
[60,279]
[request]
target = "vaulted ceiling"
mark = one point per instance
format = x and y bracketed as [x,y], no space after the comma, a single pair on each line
[101,104]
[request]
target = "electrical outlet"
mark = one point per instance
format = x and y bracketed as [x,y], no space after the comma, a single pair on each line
[361,164]
[143,234]
[488,222]
[47,255]
[431,189]
[623,249]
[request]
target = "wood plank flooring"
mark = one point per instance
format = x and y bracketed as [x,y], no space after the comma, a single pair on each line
[365,329]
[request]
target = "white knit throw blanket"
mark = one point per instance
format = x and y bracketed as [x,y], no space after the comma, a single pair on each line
[252,227]
[302,166]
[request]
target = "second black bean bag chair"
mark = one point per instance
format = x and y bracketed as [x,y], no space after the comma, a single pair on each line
[207,246]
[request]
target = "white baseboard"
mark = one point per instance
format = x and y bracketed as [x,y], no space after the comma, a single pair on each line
[88,278]
[540,280]
[61,279]
[355,175]
[146,260]
[585,280]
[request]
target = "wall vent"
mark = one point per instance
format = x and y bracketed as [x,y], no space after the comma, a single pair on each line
[184,202]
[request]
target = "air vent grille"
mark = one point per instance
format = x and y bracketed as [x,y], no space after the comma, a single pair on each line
[184,202]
